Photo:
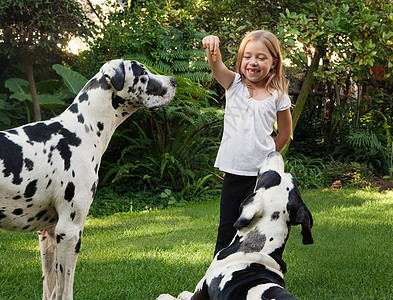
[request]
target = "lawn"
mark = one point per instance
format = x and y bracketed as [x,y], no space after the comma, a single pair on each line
[140,255]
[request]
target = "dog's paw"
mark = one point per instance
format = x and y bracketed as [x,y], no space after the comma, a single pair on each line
[185,295]
[165,297]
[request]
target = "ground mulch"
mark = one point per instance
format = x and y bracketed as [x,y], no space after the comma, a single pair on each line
[382,184]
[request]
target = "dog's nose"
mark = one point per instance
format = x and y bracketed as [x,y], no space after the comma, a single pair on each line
[173,81]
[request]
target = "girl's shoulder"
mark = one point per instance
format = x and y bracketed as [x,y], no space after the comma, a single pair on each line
[283,101]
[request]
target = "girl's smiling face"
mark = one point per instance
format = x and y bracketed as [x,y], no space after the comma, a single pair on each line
[257,62]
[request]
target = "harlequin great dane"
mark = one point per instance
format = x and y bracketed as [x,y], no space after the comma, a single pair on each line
[50,169]
[251,267]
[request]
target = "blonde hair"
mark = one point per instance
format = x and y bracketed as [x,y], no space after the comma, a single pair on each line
[275,79]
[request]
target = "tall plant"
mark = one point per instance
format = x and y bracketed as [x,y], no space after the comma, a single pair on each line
[171,148]
[34,28]
[156,33]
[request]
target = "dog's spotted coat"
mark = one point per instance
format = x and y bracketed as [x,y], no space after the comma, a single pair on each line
[49,170]
[251,267]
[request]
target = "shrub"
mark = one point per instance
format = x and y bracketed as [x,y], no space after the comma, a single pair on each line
[307,171]
[351,174]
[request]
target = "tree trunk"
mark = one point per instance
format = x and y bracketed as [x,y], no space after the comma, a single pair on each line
[306,87]
[30,77]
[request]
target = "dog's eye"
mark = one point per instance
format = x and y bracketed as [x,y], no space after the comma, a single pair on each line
[144,73]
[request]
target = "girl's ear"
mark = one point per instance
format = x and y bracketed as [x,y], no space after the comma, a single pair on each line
[274,64]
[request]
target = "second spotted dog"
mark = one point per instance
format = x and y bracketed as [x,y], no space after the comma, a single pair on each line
[251,267]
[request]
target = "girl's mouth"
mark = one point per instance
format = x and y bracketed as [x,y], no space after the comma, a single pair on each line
[252,71]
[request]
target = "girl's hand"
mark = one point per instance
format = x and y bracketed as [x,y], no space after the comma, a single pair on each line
[211,43]
[222,74]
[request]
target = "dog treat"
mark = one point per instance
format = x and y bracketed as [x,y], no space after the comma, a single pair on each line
[214,57]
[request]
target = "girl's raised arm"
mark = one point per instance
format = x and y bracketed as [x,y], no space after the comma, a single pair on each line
[223,75]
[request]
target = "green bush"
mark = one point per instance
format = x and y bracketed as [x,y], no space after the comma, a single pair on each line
[350,174]
[308,172]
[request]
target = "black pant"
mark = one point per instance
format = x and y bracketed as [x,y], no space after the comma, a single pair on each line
[235,188]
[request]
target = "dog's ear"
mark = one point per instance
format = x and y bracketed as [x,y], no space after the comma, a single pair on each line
[248,210]
[114,71]
[299,214]
[304,218]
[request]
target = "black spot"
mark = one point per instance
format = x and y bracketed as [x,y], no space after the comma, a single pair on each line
[143,79]
[72,215]
[2,215]
[155,88]
[277,256]
[81,119]
[93,189]
[276,292]
[252,242]
[137,69]
[16,197]
[30,219]
[78,244]
[74,108]
[59,237]
[49,183]
[29,164]
[232,248]
[244,280]
[100,126]
[40,214]
[268,179]
[12,157]
[69,192]
[18,211]
[275,216]
[83,97]
[31,189]
[41,132]
[61,268]
[26,227]
[13,131]
[214,290]
[271,239]
[117,101]
[94,84]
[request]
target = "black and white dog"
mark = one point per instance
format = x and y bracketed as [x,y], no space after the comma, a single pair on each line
[49,170]
[251,267]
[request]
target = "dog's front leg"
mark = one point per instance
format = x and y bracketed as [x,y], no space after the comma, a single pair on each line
[48,259]
[68,237]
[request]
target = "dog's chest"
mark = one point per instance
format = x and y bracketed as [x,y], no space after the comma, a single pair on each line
[42,167]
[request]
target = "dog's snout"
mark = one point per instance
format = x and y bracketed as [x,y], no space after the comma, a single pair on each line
[173,81]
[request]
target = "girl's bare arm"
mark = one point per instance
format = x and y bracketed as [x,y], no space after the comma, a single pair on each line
[284,126]
[223,75]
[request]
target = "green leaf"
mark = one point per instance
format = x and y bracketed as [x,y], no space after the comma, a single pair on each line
[73,80]
[16,84]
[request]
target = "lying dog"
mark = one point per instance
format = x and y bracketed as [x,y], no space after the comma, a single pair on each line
[251,267]
[50,169]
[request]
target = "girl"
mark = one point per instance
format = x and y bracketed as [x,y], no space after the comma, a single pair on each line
[256,97]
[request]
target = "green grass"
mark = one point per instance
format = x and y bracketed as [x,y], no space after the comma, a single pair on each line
[140,255]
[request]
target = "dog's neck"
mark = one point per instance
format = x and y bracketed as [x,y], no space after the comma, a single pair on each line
[98,103]
[265,237]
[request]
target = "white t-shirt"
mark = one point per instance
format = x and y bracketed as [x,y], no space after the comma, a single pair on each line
[248,125]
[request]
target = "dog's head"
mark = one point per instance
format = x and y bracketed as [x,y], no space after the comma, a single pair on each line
[135,87]
[276,195]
